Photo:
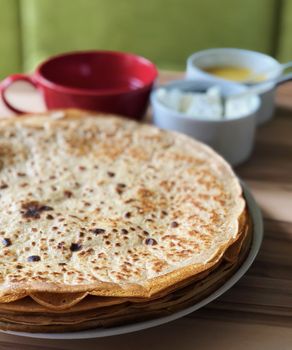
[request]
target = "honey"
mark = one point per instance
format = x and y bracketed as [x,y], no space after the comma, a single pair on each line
[229,72]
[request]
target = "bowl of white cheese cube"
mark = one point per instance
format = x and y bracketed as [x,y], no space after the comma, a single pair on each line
[220,115]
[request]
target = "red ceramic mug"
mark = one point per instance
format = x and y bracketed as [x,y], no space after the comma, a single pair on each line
[106,81]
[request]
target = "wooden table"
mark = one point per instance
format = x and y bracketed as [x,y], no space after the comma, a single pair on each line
[256,314]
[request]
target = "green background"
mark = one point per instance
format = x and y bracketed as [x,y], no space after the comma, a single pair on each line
[165,31]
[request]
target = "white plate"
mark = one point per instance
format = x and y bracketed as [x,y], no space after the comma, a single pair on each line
[133,327]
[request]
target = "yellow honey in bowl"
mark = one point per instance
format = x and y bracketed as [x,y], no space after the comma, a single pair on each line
[230,72]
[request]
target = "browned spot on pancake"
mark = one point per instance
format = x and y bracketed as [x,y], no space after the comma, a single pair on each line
[6,242]
[3,185]
[21,174]
[174,224]
[120,188]
[150,241]
[60,245]
[75,247]
[139,153]
[34,209]
[98,231]
[68,194]
[33,258]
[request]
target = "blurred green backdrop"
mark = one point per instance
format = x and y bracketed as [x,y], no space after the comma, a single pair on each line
[165,31]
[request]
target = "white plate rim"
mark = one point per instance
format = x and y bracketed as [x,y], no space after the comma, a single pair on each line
[257,219]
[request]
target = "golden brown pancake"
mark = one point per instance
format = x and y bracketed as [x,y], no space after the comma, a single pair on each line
[110,207]
[128,312]
[105,220]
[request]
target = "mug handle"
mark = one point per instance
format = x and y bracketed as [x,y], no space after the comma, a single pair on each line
[4,85]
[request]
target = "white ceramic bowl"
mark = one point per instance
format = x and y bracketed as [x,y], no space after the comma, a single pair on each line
[255,61]
[233,138]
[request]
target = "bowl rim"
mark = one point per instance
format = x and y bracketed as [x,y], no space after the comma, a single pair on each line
[178,115]
[40,79]
[233,50]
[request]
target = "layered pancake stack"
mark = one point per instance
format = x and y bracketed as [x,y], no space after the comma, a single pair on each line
[106,221]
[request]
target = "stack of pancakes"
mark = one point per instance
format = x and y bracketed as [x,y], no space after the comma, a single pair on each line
[106,221]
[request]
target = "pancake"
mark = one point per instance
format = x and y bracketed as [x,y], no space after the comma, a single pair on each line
[106,221]
[105,206]
[121,314]
[46,303]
